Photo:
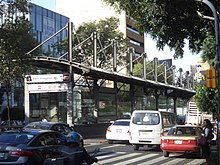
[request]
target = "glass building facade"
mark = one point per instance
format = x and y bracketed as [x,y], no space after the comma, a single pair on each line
[45,24]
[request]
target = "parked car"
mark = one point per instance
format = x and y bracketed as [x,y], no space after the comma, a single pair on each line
[181,138]
[12,123]
[118,131]
[56,126]
[29,147]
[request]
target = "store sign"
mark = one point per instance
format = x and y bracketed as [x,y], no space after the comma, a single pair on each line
[45,78]
[41,88]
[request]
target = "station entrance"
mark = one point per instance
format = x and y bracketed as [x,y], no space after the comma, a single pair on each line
[46,96]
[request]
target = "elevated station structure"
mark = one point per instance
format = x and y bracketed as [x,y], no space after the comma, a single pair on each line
[97,95]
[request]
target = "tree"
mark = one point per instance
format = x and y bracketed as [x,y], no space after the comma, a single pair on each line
[170,22]
[107,31]
[16,40]
[206,99]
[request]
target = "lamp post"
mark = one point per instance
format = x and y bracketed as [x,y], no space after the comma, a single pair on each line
[211,6]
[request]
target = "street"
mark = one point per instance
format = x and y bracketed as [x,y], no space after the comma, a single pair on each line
[123,154]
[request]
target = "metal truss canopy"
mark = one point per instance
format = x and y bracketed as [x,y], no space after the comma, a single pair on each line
[97,73]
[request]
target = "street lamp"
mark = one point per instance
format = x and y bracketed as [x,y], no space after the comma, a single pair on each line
[211,6]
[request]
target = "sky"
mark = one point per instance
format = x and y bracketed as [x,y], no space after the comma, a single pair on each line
[150,45]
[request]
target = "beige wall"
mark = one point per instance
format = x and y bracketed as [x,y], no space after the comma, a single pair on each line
[80,11]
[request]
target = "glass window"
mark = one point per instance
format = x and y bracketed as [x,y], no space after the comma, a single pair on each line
[15,138]
[146,118]
[122,123]
[168,119]
[67,129]
[183,131]
[107,110]
[51,139]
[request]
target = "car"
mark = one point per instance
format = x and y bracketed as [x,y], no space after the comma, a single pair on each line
[12,123]
[56,126]
[181,139]
[30,147]
[118,131]
[147,127]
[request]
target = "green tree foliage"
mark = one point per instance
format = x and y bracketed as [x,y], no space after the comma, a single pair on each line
[170,22]
[16,40]
[206,99]
[209,50]
[107,31]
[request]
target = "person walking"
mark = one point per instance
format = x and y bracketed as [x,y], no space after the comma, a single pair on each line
[207,133]
[76,155]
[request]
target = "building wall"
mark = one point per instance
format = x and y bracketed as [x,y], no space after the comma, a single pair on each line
[93,10]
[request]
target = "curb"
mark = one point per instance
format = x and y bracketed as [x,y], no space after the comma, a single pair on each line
[94,141]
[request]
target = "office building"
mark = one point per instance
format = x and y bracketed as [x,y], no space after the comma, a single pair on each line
[94,10]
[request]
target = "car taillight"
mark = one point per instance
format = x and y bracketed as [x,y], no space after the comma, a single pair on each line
[108,129]
[129,133]
[170,141]
[21,153]
[189,142]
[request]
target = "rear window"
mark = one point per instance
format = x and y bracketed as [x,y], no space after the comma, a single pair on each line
[15,138]
[122,123]
[183,131]
[38,126]
[146,118]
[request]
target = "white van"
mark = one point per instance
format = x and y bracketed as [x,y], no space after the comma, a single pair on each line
[146,127]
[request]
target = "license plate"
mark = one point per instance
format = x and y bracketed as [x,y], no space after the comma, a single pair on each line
[118,130]
[178,141]
[143,133]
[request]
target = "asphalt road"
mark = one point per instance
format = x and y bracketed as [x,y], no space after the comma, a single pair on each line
[123,154]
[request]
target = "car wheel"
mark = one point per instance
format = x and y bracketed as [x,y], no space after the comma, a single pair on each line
[166,154]
[136,147]
[110,141]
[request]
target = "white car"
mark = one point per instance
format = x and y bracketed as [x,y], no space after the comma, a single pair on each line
[118,131]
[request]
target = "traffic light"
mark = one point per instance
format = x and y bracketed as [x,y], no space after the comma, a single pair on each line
[211,78]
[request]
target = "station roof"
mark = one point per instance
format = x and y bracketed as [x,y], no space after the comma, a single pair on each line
[97,73]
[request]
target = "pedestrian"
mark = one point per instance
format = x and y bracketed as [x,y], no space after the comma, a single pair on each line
[76,154]
[207,133]
[44,119]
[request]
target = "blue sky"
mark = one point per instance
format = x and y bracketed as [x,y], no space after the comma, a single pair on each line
[150,46]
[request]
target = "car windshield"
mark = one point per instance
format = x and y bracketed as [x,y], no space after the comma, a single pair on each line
[146,118]
[38,126]
[182,131]
[122,123]
[15,138]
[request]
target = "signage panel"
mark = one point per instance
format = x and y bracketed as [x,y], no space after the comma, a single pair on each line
[41,88]
[45,78]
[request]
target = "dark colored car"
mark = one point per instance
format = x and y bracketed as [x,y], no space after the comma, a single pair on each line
[56,126]
[29,147]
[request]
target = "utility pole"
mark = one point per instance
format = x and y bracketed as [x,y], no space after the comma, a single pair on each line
[216,19]
[70,84]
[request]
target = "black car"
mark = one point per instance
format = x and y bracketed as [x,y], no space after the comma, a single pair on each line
[56,126]
[30,147]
